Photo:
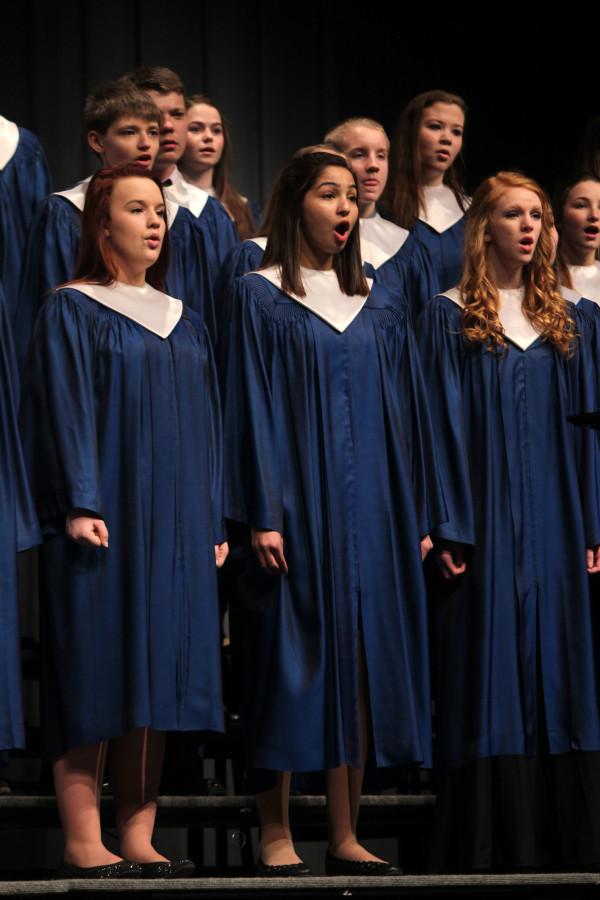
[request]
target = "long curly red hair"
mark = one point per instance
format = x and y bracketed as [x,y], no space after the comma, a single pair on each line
[544,306]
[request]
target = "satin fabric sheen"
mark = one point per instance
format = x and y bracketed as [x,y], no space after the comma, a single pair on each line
[125,424]
[328,441]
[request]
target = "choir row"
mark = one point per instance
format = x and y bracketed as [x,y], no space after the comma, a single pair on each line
[383,392]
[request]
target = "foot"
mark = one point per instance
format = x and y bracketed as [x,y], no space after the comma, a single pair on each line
[352,850]
[279,853]
[84,856]
[141,852]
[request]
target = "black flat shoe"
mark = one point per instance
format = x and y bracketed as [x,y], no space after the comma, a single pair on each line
[336,866]
[122,869]
[169,868]
[292,870]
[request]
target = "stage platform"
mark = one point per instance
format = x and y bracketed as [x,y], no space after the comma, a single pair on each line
[535,887]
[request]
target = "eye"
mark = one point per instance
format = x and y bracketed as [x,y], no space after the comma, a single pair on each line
[217,129]
[161,212]
[177,114]
[536,214]
[153,132]
[457,132]
[136,209]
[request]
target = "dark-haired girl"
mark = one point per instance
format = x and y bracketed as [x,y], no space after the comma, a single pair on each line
[207,159]
[425,193]
[330,463]
[121,426]
[577,211]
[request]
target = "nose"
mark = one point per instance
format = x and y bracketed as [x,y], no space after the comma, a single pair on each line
[208,137]
[527,223]
[167,124]
[144,141]
[373,164]
[154,219]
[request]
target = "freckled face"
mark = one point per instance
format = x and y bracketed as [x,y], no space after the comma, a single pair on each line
[515,226]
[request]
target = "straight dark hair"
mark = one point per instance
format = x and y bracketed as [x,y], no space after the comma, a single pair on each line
[403,196]
[232,200]
[285,227]
[561,192]
[95,264]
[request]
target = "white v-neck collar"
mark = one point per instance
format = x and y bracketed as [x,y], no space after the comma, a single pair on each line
[517,327]
[153,310]
[569,294]
[323,295]
[586,280]
[186,194]
[260,241]
[76,195]
[9,141]
[384,235]
[441,209]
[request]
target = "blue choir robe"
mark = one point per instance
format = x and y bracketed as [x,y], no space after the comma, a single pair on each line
[120,417]
[522,486]
[328,442]
[18,531]
[441,229]
[53,250]
[24,182]
[243,258]
[218,232]
[396,259]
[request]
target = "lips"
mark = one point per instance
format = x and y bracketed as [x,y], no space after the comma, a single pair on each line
[168,145]
[342,229]
[144,160]
[526,243]
[153,241]
[592,230]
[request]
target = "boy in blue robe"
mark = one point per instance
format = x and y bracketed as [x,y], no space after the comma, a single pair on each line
[214,224]
[123,126]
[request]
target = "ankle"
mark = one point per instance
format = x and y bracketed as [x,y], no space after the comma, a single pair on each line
[278,852]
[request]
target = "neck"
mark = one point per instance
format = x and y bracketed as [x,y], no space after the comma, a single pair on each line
[431,178]
[313,258]
[131,275]
[575,256]
[367,210]
[505,276]
[203,179]
[164,170]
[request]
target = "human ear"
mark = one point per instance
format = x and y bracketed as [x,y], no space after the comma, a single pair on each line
[95,141]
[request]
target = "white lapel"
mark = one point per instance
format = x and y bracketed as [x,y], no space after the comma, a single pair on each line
[153,310]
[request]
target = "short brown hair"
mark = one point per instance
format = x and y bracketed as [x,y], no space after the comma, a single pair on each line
[114,99]
[157,78]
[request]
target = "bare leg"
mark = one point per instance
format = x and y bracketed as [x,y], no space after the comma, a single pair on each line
[276,845]
[78,784]
[344,789]
[136,765]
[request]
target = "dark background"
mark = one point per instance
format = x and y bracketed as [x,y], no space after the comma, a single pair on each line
[283,74]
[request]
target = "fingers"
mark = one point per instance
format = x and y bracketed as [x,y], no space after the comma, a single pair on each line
[426,545]
[450,566]
[101,532]
[87,531]
[221,553]
[268,546]
[593,560]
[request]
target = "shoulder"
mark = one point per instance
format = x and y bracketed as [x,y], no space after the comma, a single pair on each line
[29,145]
[381,300]
[268,300]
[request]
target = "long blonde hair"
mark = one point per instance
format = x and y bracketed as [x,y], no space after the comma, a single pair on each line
[543,305]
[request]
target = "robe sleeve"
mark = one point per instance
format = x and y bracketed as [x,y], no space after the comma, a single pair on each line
[253,482]
[584,370]
[58,413]
[12,459]
[215,446]
[50,260]
[440,344]
[430,503]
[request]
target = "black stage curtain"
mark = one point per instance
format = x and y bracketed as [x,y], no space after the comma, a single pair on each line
[284,73]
